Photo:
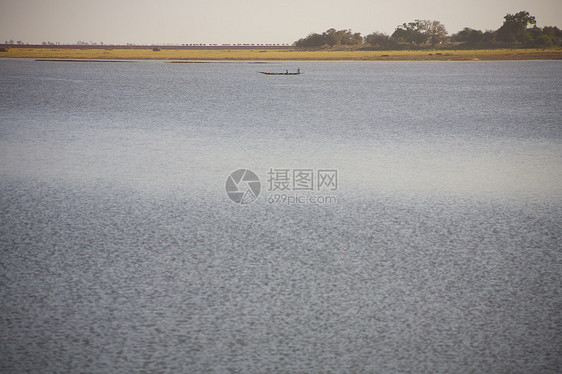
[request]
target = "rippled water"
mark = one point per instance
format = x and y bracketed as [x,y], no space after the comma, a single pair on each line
[121,252]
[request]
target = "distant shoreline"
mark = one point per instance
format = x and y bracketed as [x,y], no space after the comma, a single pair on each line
[256,53]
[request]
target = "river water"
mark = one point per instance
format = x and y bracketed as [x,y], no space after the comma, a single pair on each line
[434,245]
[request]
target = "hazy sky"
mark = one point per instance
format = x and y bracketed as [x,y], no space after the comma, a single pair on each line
[244,21]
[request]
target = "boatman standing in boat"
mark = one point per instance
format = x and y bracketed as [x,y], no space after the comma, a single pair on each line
[298,70]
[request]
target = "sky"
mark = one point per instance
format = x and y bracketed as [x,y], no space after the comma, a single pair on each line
[244,21]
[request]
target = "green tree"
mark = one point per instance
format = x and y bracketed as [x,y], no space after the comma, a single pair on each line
[351,38]
[435,31]
[311,41]
[514,28]
[554,33]
[411,33]
[489,38]
[538,38]
[420,32]
[468,37]
[333,37]
[543,41]
[380,40]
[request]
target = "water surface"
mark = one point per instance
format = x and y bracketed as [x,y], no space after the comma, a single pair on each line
[122,252]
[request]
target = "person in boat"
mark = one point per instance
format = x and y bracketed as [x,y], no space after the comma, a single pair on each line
[298,70]
[287,71]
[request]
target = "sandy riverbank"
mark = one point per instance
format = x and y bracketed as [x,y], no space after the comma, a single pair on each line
[123,53]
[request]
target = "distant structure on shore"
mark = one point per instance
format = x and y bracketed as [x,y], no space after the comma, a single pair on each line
[81,44]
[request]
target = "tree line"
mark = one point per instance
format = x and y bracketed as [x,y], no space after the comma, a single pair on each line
[519,30]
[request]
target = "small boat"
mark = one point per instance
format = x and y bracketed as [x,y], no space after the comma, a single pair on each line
[285,73]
